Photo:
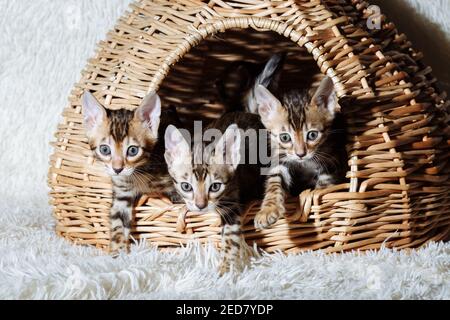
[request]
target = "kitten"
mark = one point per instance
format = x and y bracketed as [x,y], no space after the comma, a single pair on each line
[216,177]
[131,146]
[310,135]
[306,126]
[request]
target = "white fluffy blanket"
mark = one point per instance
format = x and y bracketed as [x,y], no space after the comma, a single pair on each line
[43,46]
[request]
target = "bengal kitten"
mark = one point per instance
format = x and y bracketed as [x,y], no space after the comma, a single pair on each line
[131,145]
[216,177]
[309,132]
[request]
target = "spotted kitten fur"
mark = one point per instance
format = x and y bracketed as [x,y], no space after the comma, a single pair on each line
[131,145]
[309,132]
[217,178]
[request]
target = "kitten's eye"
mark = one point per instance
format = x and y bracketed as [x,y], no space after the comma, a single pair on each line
[104,150]
[312,135]
[186,187]
[285,137]
[215,187]
[132,151]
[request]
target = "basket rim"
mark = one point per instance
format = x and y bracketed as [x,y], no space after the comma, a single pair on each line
[260,24]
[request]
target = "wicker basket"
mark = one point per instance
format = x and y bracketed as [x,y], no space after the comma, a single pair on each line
[397,192]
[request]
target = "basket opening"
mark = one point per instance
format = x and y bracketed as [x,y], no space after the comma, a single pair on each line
[190,83]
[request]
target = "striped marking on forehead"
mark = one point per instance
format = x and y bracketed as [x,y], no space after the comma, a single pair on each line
[199,168]
[119,123]
[200,172]
[295,103]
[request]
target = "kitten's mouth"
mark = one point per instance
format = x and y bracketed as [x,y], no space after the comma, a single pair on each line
[194,208]
[124,173]
[306,158]
[294,159]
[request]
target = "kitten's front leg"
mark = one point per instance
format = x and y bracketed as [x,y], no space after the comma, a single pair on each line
[232,238]
[121,213]
[232,241]
[272,207]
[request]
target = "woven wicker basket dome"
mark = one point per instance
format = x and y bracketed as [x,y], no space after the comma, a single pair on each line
[397,188]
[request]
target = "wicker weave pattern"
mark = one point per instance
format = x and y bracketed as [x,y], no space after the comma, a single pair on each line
[398,188]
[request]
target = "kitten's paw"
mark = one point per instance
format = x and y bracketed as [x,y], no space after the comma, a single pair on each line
[325,181]
[118,244]
[227,267]
[267,216]
[224,268]
[175,198]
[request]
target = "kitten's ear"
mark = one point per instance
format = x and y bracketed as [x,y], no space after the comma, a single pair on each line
[93,112]
[268,78]
[177,148]
[325,96]
[228,148]
[267,103]
[149,112]
[271,72]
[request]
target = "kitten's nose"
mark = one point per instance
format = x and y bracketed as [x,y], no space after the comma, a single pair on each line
[301,155]
[117,170]
[201,205]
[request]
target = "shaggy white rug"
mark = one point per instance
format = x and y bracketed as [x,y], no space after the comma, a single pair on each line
[43,46]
